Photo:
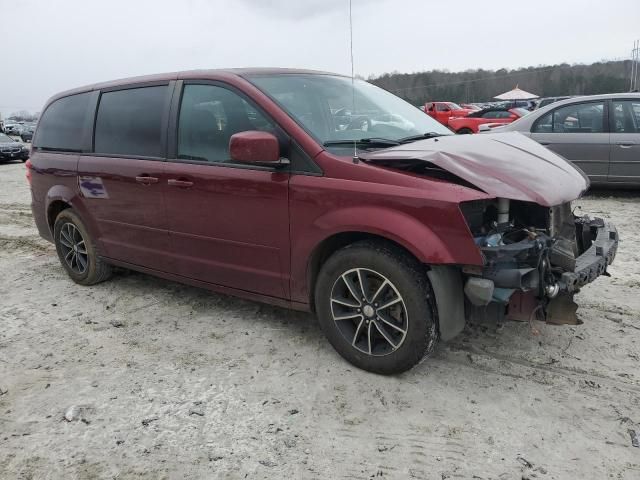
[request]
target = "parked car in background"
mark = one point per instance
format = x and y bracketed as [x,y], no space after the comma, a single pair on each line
[543,102]
[11,149]
[493,116]
[598,133]
[393,232]
[391,119]
[443,111]
[12,128]
[26,134]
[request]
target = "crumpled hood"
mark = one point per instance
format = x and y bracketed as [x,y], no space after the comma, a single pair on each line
[507,165]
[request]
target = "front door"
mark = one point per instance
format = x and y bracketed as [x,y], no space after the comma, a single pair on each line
[122,182]
[228,223]
[580,133]
[625,141]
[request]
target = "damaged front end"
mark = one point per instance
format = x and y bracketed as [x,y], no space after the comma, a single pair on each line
[536,252]
[535,259]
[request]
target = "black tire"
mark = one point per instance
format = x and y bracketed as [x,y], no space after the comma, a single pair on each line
[94,269]
[464,131]
[417,315]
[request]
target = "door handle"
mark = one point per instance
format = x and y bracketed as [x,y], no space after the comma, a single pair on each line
[146,180]
[173,182]
[625,144]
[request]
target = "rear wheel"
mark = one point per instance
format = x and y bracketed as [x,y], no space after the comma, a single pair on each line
[375,305]
[76,250]
[464,131]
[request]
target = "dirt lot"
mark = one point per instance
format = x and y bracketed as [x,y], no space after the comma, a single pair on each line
[175,382]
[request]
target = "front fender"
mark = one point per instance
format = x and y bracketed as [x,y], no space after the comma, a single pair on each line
[450,244]
[394,225]
[413,234]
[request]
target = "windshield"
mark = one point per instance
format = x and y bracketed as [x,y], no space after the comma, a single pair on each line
[5,138]
[331,110]
[454,106]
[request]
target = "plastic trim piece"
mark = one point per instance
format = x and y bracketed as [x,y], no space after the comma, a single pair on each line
[446,282]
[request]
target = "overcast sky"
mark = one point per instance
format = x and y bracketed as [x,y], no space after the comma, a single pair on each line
[62,44]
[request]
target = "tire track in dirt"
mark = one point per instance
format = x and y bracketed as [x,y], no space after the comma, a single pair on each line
[576,375]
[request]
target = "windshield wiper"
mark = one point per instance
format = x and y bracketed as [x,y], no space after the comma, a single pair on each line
[422,136]
[385,142]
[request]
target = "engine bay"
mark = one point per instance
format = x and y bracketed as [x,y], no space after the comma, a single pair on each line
[531,258]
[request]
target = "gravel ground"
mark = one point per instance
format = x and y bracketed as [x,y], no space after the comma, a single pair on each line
[170,381]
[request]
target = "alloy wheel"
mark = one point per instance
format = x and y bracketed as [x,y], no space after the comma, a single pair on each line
[369,311]
[73,247]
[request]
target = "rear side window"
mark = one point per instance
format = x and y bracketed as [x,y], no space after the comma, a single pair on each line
[129,122]
[626,116]
[61,127]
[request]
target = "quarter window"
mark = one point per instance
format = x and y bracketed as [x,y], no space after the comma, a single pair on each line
[209,116]
[129,122]
[575,118]
[626,116]
[61,127]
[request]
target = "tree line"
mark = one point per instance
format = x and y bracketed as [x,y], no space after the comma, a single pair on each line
[482,85]
[22,116]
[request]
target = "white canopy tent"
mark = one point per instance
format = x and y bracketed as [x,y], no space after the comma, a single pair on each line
[516,94]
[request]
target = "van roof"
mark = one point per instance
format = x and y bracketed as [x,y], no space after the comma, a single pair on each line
[210,74]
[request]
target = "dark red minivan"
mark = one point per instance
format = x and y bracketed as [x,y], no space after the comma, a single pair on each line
[315,192]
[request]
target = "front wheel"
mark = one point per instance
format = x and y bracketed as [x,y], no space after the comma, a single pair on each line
[464,131]
[375,305]
[77,251]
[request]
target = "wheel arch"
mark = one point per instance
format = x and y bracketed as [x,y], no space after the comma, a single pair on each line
[446,280]
[409,235]
[54,209]
[60,198]
[332,244]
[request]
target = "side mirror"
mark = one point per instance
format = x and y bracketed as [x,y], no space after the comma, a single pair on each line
[254,146]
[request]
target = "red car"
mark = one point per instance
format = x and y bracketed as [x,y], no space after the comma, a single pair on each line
[279,186]
[496,116]
[443,111]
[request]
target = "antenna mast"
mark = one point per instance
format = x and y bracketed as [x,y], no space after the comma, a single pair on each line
[353,88]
